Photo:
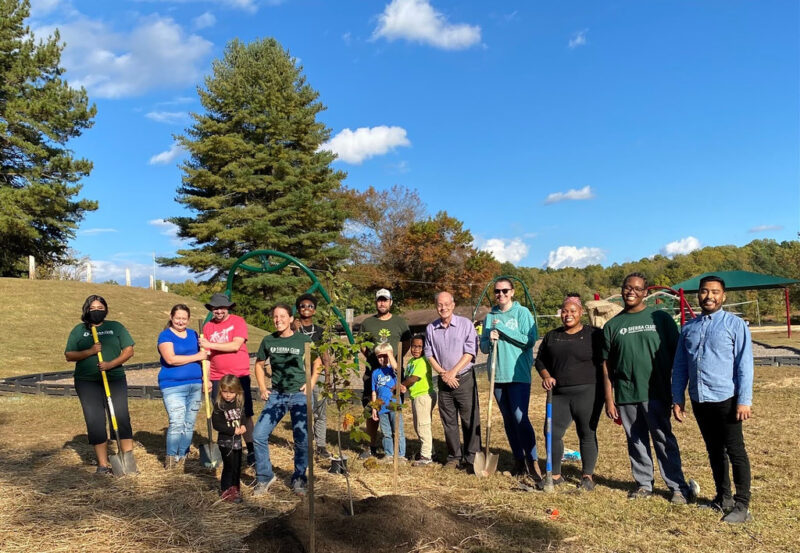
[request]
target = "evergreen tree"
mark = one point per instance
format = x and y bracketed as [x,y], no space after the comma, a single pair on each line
[256,178]
[39,114]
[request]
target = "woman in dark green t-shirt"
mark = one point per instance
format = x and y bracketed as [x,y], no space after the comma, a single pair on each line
[116,346]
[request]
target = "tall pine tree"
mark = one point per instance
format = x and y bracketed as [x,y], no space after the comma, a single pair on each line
[39,114]
[256,178]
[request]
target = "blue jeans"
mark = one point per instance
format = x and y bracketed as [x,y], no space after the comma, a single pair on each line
[275,409]
[512,400]
[387,424]
[182,404]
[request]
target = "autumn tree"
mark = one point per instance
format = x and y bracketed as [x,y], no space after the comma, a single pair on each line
[39,177]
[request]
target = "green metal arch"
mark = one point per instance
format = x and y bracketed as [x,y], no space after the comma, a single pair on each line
[528,299]
[266,266]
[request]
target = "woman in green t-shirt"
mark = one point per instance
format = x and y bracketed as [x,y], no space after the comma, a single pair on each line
[116,346]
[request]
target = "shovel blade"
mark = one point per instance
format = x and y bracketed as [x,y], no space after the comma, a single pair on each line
[479,464]
[491,464]
[123,463]
[210,456]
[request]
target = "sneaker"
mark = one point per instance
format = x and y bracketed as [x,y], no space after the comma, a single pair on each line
[739,514]
[422,461]
[238,498]
[262,488]
[586,484]
[367,453]
[230,494]
[322,452]
[251,459]
[640,493]
[556,482]
[104,471]
[170,463]
[452,464]
[299,487]
[389,460]
[678,498]
[722,505]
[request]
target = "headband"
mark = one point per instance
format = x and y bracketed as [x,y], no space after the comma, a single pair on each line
[573,299]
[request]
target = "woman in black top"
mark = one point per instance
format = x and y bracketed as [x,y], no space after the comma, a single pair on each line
[570,362]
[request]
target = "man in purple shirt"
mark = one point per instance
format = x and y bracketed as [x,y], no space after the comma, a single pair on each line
[451,345]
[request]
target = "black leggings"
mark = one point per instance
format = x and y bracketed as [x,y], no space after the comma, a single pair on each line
[582,403]
[95,408]
[231,467]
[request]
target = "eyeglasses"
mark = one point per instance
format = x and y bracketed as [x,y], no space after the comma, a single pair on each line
[308,306]
[505,291]
[636,289]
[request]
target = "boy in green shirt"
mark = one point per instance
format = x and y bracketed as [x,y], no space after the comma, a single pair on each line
[419,384]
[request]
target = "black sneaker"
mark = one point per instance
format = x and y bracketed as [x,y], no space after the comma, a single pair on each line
[322,452]
[722,505]
[519,468]
[586,484]
[556,482]
[738,515]
[640,493]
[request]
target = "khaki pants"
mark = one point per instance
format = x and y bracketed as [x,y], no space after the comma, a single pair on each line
[422,409]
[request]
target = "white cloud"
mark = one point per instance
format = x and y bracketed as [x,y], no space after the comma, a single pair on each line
[682,246]
[168,156]
[347,38]
[571,256]
[155,54]
[364,143]
[418,21]
[169,229]
[577,39]
[92,231]
[204,21]
[584,193]
[765,228]
[43,7]
[170,117]
[512,250]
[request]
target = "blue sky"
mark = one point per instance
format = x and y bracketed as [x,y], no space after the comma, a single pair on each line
[560,133]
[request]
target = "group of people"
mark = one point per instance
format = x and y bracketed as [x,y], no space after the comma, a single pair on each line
[638,366]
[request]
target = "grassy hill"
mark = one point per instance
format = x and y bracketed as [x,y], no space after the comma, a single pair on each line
[41,313]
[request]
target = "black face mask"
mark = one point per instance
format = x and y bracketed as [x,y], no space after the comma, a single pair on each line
[96,317]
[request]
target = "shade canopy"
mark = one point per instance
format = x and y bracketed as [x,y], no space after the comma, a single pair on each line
[737,280]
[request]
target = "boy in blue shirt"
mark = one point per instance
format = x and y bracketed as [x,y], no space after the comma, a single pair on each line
[384,380]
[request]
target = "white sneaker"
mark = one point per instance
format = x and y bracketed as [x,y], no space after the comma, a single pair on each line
[262,488]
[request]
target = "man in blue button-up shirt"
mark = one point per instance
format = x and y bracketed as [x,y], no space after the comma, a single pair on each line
[715,358]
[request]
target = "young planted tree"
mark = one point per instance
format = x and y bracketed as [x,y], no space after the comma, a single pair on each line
[39,114]
[255,177]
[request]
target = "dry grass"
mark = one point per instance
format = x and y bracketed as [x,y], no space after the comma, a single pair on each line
[46,310]
[52,501]
[778,338]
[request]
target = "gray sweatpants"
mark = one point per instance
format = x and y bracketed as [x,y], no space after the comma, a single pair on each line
[642,421]
[320,406]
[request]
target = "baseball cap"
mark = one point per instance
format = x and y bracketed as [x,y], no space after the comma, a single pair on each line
[383,293]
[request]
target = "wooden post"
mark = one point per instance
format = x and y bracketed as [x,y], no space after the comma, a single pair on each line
[788,314]
[31,267]
[397,413]
[152,283]
[89,272]
[309,445]
[127,277]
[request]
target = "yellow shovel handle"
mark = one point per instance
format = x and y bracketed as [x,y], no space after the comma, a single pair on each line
[205,383]
[105,382]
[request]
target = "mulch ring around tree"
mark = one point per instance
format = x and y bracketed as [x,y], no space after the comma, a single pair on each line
[387,523]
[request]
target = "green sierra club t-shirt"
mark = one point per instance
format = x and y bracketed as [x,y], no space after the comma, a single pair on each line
[285,357]
[114,338]
[639,349]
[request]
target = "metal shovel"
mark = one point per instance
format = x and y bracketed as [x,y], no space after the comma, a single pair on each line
[123,462]
[210,455]
[485,463]
[547,485]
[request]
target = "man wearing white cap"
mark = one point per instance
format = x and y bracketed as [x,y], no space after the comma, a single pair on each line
[398,332]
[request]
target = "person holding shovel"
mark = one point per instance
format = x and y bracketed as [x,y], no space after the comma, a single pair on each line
[512,328]
[570,362]
[116,345]
[225,338]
